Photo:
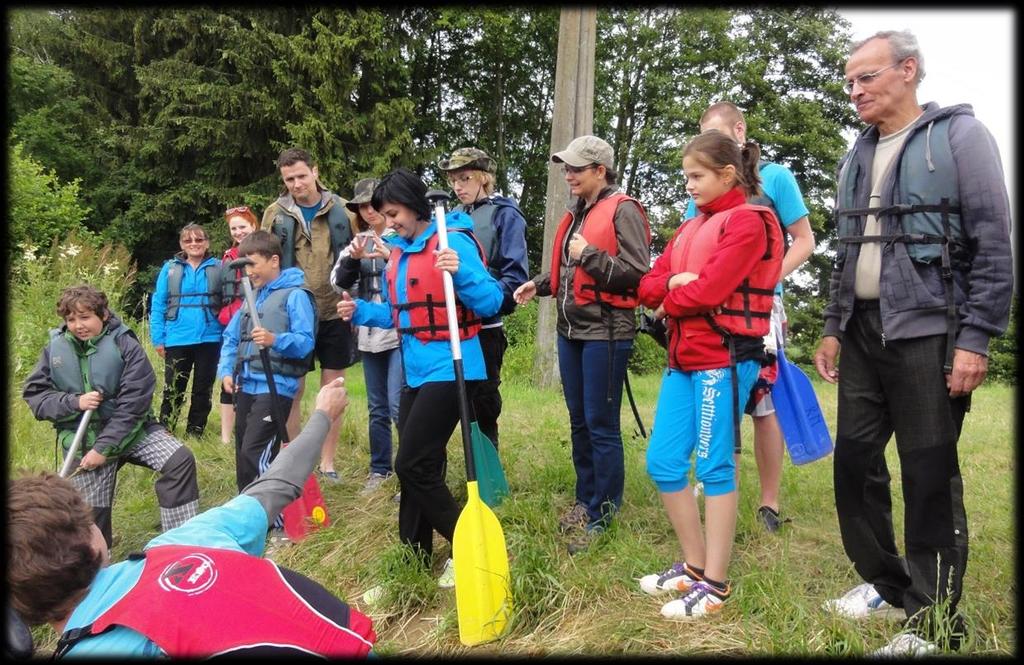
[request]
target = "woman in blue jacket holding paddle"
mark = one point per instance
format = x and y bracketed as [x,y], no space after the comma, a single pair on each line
[414,304]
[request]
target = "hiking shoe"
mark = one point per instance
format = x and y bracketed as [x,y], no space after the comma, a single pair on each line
[373,482]
[584,538]
[447,579]
[679,577]
[702,599]
[861,602]
[905,644]
[770,518]
[574,518]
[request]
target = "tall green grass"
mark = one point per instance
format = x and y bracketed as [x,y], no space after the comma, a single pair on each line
[589,604]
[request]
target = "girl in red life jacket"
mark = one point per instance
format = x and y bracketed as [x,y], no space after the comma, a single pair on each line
[714,282]
[241,222]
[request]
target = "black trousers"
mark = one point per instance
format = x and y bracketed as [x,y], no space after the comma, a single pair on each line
[900,388]
[256,439]
[179,363]
[486,398]
[427,416]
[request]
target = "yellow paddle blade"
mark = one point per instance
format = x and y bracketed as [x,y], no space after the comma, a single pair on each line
[482,583]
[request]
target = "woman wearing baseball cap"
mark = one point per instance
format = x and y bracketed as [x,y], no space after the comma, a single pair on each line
[601,250]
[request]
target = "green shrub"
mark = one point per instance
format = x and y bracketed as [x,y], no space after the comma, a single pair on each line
[648,356]
[37,279]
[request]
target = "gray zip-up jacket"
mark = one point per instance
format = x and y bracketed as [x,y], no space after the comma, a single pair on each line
[911,299]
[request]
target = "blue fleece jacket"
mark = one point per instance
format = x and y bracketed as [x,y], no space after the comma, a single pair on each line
[194,325]
[476,288]
[296,343]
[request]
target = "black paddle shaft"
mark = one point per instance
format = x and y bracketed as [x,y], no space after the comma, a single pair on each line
[438,198]
[250,301]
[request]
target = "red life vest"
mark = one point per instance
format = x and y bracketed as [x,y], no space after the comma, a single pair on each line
[599,229]
[747,310]
[197,602]
[428,318]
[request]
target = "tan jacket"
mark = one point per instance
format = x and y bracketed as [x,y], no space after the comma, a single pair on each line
[313,251]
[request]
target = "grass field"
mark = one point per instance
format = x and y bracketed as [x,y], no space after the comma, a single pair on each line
[591,604]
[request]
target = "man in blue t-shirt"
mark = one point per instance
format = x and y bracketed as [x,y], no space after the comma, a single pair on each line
[783,194]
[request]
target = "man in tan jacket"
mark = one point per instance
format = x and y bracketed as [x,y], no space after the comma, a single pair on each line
[314,226]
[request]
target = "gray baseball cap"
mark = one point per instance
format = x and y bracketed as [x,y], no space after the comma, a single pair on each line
[361,193]
[586,150]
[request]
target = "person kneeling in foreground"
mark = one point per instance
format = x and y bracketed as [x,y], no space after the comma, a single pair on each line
[198,590]
[715,282]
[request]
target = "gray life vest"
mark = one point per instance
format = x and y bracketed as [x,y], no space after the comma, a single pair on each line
[926,201]
[99,369]
[338,225]
[483,229]
[371,275]
[213,295]
[273,313]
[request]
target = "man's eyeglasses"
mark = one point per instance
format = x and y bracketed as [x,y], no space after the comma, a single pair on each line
[236,210]
[460,179]
[577,169]
[866,79]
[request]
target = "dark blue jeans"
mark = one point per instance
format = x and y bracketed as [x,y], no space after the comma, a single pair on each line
[594,399]
[384,378]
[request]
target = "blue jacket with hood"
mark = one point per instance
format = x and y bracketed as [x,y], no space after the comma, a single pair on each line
[476,288]
[194,325]
[296,343]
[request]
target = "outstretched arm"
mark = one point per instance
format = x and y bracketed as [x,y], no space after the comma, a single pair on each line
[282,483]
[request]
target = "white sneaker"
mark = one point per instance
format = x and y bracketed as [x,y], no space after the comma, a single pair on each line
[905,644]
[374,595]
[373,482]
[700,601]
[447,579]
[676,578]
[861,602]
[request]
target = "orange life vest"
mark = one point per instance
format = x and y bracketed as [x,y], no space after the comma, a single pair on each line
[428,318]
[747,310]
[598,228]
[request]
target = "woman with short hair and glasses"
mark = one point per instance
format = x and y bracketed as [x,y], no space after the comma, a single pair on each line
[185,330]
[601,250]
[241,222]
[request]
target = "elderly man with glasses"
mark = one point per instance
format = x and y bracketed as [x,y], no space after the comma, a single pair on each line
[922,281]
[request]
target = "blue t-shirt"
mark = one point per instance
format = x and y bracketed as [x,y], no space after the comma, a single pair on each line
[779,184]
[240,524]
[309,212]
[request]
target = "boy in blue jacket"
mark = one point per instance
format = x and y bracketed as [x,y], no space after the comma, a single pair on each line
[288,318]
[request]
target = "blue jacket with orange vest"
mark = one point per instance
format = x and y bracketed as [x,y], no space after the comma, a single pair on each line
[477,290]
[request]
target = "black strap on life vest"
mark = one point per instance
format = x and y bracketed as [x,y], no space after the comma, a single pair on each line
[727,340]
[433,326]
[946,240]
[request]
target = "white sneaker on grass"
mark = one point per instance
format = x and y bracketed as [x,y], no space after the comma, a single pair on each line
[447,579]
[700,601]
[677,578]
[905,644]
[861,602]
[373,595]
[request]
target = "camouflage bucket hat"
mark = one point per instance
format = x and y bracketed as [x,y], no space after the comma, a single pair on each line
[361,193]
[468,158]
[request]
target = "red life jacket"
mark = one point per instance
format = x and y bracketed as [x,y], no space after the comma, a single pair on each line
[197,602]
[747,310]
[428,318]
[599,229]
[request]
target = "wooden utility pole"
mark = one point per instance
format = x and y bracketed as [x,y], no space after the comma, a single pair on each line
[572,116]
